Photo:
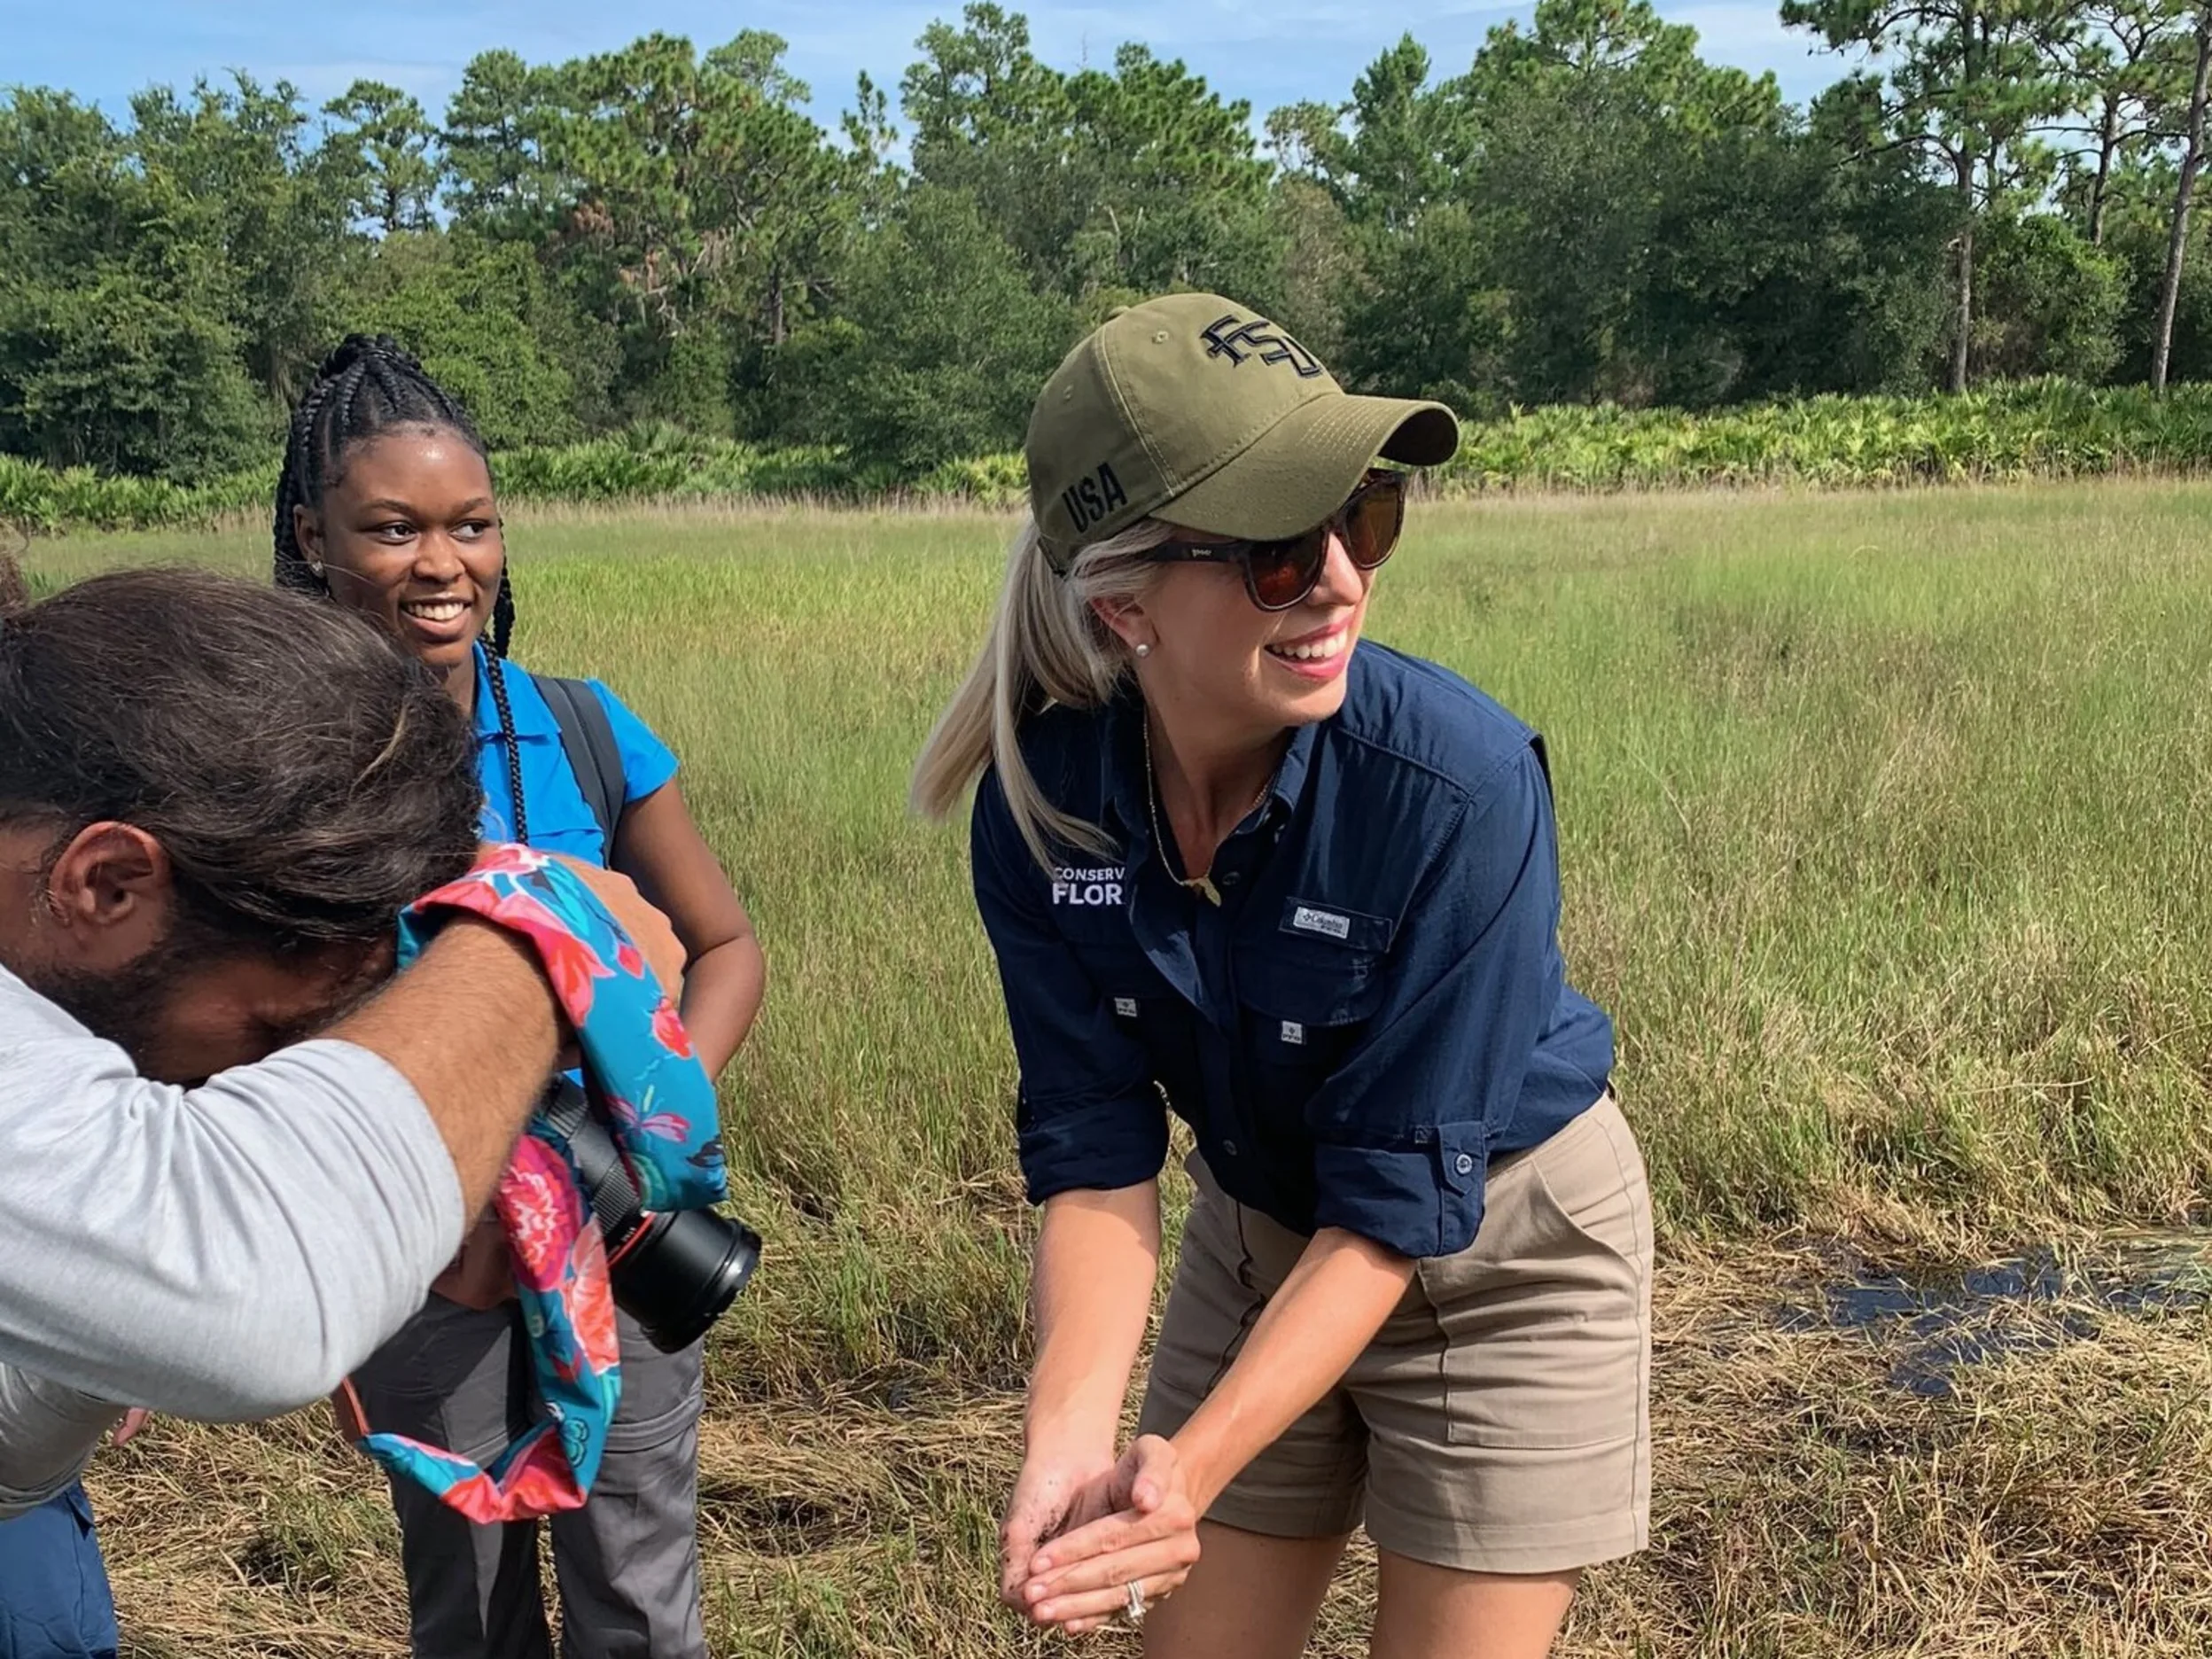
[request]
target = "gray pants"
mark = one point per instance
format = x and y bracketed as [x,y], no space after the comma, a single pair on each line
[627,1562]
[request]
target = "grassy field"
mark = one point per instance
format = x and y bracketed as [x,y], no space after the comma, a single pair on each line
[1883,828]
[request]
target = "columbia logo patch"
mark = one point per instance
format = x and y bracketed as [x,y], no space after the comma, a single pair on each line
[1126,1006]
[1311,921]
[1293,1032]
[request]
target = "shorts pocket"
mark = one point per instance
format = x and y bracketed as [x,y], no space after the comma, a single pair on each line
[1544,1322]
[1595,1187]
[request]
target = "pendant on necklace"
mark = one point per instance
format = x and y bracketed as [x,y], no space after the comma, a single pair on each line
[1202,886]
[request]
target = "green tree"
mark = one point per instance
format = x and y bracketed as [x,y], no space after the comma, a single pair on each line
[1598,121]
[1397,147]
[699,176]
[905,379]
[1968,83]
[499,178]
[2128,62]
[2055,300]
[117,344]
[1108,185]
[270,211]
[487,323]
[2185,196]
[683,199]
[385,143]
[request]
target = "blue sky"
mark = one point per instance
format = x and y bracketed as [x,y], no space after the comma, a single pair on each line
[104,50]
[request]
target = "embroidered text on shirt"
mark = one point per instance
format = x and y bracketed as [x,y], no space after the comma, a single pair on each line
[1087,886]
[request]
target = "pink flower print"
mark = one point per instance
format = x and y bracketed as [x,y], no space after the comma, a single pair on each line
[669,1029]
[589,1299]
[661,1126]
[539,1204]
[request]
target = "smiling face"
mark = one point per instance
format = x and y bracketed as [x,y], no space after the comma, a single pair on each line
[1218,664]
[409,536]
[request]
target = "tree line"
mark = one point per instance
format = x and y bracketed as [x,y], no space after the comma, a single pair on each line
[1589,213]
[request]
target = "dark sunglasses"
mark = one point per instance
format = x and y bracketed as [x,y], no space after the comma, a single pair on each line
[1280,574]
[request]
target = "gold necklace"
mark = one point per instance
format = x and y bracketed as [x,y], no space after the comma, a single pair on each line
[1201,883]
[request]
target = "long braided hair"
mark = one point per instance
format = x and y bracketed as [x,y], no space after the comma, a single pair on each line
[368,386]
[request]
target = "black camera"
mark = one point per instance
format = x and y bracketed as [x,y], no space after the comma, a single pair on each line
[676,1272]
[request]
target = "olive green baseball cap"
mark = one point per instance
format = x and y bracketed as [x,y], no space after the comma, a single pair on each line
[1198,410]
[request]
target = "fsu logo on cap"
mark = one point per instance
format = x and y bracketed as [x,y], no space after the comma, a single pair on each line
[1232,338]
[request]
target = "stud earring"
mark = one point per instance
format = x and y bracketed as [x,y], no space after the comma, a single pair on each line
[1142,648]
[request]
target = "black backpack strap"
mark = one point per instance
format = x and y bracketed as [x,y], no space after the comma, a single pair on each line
[588,739]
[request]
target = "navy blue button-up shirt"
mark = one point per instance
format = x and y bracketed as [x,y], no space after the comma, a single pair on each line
[1377,1006]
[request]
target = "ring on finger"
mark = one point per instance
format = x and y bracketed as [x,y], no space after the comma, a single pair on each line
[1136,1607]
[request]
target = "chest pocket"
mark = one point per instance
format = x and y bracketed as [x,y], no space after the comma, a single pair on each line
[1306,993]
[1144,1006]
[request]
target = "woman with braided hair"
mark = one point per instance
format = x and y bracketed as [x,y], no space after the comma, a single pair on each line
[387,506]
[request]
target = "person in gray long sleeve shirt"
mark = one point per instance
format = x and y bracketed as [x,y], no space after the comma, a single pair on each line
[214,802]
[225,1250]
[285,1211]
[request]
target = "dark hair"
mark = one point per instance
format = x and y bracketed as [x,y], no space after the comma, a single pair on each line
[306,779]
[370,386]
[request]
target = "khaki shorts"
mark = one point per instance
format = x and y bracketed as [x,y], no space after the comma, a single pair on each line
[1498,1422]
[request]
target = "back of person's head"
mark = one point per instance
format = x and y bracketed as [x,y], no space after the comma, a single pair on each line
[306,779]
[370,386]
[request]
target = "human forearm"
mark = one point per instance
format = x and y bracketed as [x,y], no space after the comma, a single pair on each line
[1139,1518]
[1329,1309]
[479,1082]
[722,991]
[1097,1258]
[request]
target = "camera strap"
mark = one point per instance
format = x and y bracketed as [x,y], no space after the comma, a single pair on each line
[659,1104]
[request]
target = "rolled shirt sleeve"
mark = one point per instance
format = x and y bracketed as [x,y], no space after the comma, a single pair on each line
[1403,1126]
[1088,1116]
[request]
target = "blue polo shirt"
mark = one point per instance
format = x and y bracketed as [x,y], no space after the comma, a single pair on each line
[560,818]
[1377,1008]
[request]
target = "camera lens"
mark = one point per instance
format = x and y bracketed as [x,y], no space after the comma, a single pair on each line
[676,1272]
[681,1272]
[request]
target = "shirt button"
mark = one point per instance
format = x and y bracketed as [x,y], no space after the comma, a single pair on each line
[1463,1163]
[1231,879]
[1229,1147]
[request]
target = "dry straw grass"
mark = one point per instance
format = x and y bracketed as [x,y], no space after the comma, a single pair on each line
[2055,1504]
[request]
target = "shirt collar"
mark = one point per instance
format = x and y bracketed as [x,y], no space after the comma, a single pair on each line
[1125,787]
[533,719]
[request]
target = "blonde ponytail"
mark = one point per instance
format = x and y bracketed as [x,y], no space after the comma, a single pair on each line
[1046,645]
